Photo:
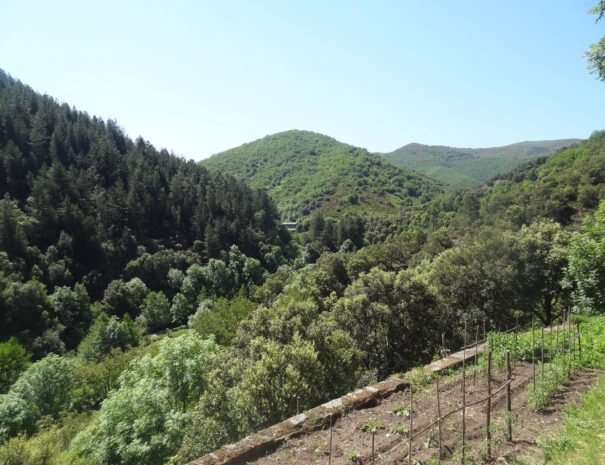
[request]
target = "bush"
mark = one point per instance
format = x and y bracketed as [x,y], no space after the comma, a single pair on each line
[44,389]
[107,333]
[50,447]
[220,318]
[143,421]
[13,360]
[155,312]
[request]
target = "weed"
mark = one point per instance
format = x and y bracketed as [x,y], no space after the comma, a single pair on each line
[371,427]
[553,446]
[399,429]
[402,411]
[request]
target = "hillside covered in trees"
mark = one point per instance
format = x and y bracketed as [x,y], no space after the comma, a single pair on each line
[306,172]
[153,311]
[463,168]
[89,215]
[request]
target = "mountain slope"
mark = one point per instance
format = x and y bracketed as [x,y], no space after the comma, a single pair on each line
[464,167]
[305,171]
[83,205]
[564,187]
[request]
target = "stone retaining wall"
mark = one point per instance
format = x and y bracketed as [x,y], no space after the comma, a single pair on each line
[267,440]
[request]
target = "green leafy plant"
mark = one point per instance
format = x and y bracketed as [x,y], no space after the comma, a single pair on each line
[321,449]
[371,427]
[354,457]
[399,429]
[402,411]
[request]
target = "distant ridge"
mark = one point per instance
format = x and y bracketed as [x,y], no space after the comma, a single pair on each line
[306,172]
[468,167]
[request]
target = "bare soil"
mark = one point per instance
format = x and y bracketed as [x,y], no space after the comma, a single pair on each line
[391,447]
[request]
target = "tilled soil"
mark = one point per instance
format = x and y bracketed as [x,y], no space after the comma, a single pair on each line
[349,438]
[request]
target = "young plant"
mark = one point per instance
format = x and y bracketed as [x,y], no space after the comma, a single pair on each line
[371,427]
[399,429]
[354,457]
[402,411]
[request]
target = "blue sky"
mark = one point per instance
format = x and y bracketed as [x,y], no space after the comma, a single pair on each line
[198,77]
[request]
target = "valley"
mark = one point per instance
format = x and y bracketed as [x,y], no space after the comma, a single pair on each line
[153,309]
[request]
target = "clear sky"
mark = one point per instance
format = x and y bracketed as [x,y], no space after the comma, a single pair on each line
[198,77]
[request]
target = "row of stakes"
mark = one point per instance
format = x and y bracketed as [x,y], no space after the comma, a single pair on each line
[490,394]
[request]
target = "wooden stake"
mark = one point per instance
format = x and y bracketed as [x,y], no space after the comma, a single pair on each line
[579,341]
[509,410]
[516,332]
[373,456]
[464,356]
[439,421]
[506,338]
[330,446]
[488,434]
[570,342]
[411,425]
[462,460]
[485,348]
[476,353]
[554,355]
[533,352]
[542,354]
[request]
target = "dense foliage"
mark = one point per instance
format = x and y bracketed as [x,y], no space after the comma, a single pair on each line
[166,313]
[88,214]
[306,172]
[596,53]
[461,168]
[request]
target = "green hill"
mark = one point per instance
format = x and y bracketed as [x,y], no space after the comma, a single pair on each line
[464,167]
[565,187]
[304,172]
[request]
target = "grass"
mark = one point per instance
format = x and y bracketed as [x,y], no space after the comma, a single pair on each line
[581,440]
[557,371]
[49,447]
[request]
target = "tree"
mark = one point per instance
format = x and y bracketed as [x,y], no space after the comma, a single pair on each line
[180,309]
[542,251]
[72,308]
[44,389]
[596,53]
[220,317]
[126,297]
[107,333]
[393,319]
[155,312]
[12,238]
[13,360]
[144,420]
[27,312]
[248,393]
[586,271]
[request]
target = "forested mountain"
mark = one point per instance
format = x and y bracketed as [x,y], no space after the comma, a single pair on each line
[152,311]
[564,187]
[83,205]
[464,167]
[306,172]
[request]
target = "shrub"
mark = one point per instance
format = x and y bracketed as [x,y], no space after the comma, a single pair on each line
[107,333]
